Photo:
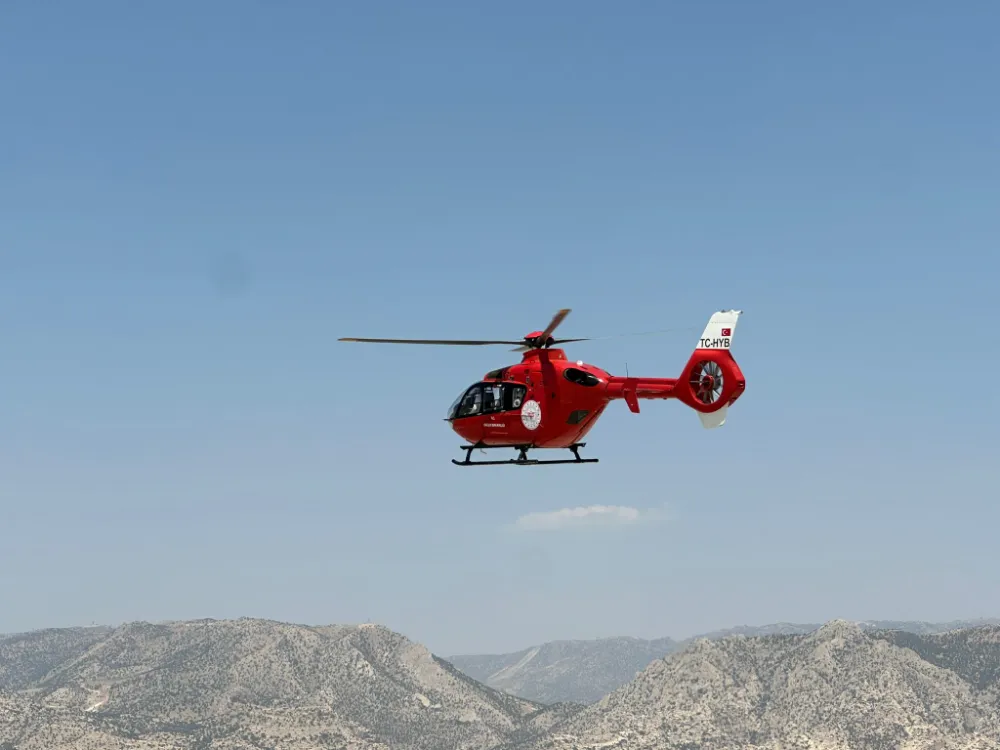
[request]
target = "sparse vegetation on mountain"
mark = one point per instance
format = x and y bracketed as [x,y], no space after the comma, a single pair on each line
[25,658]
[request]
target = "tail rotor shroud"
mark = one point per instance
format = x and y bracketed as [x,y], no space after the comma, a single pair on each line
[707,382]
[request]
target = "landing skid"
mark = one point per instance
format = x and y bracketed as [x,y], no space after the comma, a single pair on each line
[522,457]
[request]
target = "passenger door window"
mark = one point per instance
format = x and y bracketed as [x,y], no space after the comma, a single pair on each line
[513,396]
[492,398]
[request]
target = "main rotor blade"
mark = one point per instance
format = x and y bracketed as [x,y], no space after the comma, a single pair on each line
[624,335]
[555,342]
[439,342]
[519,345]
[558,318]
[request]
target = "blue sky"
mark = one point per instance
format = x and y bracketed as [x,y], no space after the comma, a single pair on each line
[199,199]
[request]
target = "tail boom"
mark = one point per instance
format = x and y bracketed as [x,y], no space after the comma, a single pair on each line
[632,389]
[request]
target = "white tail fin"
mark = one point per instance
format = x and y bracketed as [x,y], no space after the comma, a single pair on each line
[720,329]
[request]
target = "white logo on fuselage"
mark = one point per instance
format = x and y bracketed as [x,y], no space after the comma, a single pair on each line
[531,414]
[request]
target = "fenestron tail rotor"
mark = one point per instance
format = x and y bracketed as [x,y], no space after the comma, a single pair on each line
[707,382]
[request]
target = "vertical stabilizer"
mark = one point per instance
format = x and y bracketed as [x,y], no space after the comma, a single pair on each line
[720,329]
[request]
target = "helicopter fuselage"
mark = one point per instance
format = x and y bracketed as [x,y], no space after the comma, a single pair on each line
[548,401]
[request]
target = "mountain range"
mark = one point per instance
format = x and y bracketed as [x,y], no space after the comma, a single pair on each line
[253,684]
[584,671]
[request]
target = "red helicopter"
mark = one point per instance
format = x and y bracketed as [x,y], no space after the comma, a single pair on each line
[548,401]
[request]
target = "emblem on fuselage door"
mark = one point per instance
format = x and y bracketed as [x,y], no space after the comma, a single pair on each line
[531,414]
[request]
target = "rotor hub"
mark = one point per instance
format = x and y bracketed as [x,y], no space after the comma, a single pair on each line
[535,340]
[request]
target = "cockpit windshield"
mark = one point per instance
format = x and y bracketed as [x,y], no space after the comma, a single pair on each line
[453,409]
[468,404]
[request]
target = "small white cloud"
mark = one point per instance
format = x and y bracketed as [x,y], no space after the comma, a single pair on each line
[583,517]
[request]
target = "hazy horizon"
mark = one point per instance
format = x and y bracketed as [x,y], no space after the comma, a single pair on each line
[488,651]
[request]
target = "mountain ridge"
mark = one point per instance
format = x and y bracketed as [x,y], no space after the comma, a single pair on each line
[585,670]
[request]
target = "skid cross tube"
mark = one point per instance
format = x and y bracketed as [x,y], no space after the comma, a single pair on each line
[522,456]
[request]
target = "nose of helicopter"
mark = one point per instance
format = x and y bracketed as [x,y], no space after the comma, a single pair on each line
[467,429]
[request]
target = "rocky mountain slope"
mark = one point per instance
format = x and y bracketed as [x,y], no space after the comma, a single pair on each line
[249,684]
[837,688]
[27,657]
[586,671]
